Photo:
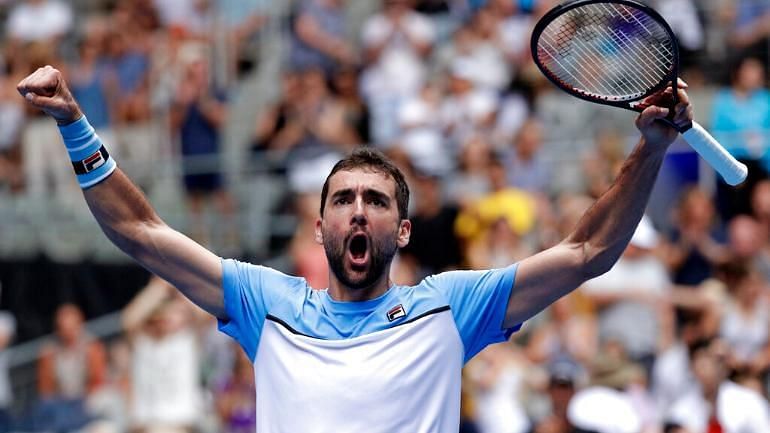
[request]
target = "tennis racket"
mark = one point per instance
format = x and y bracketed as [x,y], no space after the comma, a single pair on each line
[619,52]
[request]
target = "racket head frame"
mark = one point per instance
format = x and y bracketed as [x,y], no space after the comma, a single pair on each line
[561,9]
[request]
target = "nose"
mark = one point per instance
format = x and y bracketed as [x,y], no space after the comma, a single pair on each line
[359,214]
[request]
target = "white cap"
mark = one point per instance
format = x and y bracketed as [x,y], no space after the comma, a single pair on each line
[308,176]
[426,150]
[413,113]
[462,68]
[603,410]
[481,104]
[645,235]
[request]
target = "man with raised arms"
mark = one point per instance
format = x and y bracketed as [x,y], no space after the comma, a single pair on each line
[364,354]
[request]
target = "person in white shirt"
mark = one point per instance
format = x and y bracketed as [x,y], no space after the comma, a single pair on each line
[396,42]
[716,404]
[39,20]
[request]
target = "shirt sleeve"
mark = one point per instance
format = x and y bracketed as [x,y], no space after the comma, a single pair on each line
[249,292]
[478,300]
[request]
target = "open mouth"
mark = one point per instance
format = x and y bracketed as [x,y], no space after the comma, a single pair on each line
[358,249]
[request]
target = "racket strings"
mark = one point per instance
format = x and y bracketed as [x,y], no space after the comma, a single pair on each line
[622,64]
[607,50]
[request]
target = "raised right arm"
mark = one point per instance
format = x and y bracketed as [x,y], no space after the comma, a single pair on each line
[125,215]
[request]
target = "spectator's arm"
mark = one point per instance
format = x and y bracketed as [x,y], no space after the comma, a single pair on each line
[142,306]
[601,300]
[46,375]
[309,32]
[97,366]
[213,110]
[753,32]
[265,125]
[605,229]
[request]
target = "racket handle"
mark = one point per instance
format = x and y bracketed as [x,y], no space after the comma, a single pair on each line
[732,171]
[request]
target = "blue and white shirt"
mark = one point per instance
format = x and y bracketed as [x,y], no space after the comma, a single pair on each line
[390,364]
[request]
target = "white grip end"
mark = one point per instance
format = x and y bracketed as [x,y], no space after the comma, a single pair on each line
[732,171]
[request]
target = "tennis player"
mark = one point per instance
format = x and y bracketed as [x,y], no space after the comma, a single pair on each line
[365,354]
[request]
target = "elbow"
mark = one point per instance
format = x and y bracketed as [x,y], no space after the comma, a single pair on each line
[134,239]
[595,260]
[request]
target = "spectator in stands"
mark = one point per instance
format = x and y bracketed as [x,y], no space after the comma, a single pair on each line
[344,86]
[628,297]
[760,203]
[319,36]
[396,42]
[197,116]
[746,242]
[569,333]
[7,332]
[527,170]
[600,169]
[176,15]
[498,374]
[741,119]
[12,117]
[94,79]
[494,228]
[235,399]
[131,64]
[39,21]
[716,404]
[466,110]
[750,27]
[614,401]
[684,18]
[308,258]
[71,368]
[695,246]
[166,395]
[306,123]
[564,377]
[128,49]
[275,126]
[746,323]
[433,245]
[488,58]
[421,138]
[43,180]
[470,182]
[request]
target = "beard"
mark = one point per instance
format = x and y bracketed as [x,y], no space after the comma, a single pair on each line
[381,253]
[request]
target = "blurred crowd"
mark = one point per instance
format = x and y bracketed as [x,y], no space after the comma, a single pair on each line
[675,338]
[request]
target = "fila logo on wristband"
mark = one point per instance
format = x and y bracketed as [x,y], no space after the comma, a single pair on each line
[91,163]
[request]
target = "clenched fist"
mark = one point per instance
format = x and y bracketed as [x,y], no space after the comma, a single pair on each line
[46,89]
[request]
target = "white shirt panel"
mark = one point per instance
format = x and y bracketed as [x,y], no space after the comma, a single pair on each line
[402,379]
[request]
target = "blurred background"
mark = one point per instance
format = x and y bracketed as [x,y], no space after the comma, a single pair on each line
[230,113]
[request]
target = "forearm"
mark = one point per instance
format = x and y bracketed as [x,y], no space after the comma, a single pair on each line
[122,211]
[606,228]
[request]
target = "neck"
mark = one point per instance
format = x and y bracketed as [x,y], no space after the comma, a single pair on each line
[340,292]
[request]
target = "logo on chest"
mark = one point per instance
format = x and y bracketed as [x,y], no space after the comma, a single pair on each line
[396,312]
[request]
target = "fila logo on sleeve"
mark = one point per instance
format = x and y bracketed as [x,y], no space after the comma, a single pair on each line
[396,312]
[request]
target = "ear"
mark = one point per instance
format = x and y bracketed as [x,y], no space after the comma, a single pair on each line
[404,232]
[319,237]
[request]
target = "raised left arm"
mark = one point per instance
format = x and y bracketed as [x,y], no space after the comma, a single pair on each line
[604,231]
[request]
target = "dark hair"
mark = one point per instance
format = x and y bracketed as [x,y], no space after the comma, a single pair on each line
[367,157]
[700,344]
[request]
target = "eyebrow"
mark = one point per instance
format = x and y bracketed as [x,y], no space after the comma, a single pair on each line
[368,193]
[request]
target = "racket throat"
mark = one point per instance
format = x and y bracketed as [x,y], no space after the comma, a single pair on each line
[680,128]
